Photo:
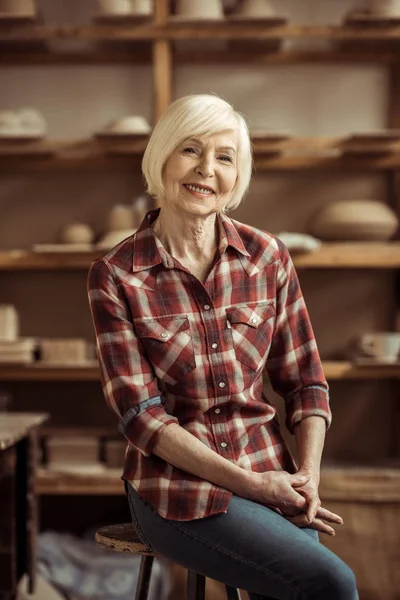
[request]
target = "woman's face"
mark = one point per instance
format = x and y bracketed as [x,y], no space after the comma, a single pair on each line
[201,173]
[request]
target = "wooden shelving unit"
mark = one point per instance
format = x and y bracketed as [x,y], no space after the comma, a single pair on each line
[334,255]
[172,31]
[354,488]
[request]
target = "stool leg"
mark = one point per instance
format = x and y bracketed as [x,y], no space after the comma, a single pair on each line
[232,593]
[196,586]
[143,584]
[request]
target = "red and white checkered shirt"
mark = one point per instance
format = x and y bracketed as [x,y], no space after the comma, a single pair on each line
[173,350]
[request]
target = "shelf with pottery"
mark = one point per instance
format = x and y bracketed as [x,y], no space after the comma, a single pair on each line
[180,30]
[273,151]
[334,370]
[337,483]
[331,255]
[132,56]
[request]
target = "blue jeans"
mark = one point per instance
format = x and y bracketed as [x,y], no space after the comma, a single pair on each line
[249,547]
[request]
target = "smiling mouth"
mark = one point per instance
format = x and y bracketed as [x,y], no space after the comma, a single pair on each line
[199,189]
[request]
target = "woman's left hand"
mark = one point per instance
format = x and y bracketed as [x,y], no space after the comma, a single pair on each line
[318,523]
[309,491]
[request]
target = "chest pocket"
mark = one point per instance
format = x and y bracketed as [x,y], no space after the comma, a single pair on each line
[169,346]
[251,328]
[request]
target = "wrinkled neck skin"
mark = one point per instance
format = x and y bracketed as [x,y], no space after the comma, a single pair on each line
[188,238]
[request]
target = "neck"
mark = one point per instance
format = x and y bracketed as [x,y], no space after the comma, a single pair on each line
[185,236]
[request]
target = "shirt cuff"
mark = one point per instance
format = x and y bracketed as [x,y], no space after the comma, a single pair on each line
[142,424]
[308,402]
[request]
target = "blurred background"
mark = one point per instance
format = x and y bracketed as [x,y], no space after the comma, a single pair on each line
[81,84]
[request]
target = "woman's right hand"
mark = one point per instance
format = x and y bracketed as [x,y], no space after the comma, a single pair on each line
[275,488]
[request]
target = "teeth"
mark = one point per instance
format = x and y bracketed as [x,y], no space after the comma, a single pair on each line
[196,188]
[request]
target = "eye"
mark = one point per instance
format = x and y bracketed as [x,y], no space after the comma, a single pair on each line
[190,150]
[225,158]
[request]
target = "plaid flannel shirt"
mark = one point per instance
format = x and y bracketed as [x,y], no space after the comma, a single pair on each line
[172,350]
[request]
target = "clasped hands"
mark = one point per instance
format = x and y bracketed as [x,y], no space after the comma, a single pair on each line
[296,498]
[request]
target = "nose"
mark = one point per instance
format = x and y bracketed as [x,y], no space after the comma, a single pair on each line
[205,166]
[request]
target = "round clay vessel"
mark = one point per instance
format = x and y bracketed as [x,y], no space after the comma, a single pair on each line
[77,233]
[352,220]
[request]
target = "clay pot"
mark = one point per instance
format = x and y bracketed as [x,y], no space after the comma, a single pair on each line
[77,233]
[352,220]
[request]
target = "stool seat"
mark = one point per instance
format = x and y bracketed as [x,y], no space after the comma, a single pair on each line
[122,538]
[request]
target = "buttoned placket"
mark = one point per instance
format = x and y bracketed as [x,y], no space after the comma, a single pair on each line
[221,383]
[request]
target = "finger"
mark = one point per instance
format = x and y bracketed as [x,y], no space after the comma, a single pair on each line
[313,506]
[327,515]
[319,525]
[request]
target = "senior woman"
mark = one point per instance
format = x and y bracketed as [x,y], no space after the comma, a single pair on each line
[188,312]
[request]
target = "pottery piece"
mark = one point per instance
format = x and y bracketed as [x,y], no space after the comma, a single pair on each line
[352,220]
[64,351]
[382,8]
[114,7]
[199,9]
[131,124]
[23,8]
[299,242]
[9,322]
[76,233]
[141,8]
[256,9]
[112,238]
[382,347]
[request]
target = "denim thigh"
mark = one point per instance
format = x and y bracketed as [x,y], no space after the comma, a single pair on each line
[249,547]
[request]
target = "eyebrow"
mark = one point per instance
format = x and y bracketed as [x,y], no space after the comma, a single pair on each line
[196,141]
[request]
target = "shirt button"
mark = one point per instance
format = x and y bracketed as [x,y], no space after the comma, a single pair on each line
[254,320]
[223,444]
[217,411]
[164,334]
[206,307]
[221,384]
[214,345]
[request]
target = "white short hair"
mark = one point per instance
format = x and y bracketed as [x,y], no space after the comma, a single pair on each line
[190,117]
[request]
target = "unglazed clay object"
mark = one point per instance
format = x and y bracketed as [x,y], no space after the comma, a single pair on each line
[112,238]
[384,8]
[256,9]
[114,7]
[352,220]
[199,9]
[23,8]
[120,217]
[299,242]
[77,233]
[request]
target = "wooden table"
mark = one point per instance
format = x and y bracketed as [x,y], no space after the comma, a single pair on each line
[18,508]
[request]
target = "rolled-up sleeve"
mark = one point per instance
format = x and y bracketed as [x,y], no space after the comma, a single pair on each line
[294,365]
[129,384]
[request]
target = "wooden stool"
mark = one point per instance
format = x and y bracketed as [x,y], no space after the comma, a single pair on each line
[123,538]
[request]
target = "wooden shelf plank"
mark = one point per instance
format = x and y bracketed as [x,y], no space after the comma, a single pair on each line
[335,255]
[334,370]
[40,373]
[331,255]
[52,483]
[170,31]
[360,484]
[290,154]
[337,370]
[127,56]
[347,484]
[26,260]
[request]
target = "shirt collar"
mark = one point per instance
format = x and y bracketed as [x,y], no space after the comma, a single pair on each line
[148,250]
